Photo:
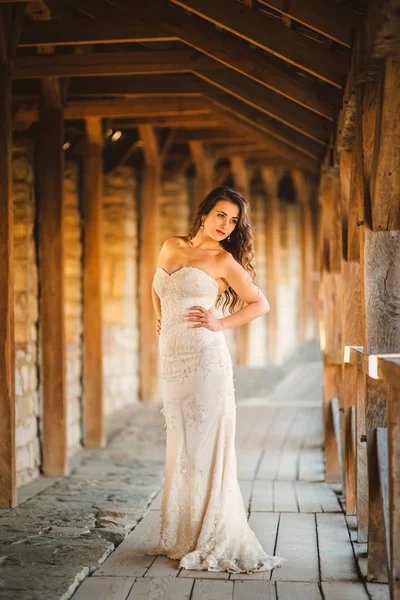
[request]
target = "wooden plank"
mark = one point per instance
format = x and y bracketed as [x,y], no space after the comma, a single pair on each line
[307,497]
[216,590]
[285,497]
[379,591]
[346,591]
[104,588]
[335,551]
[270,36]
[254,590]
[51,269]
[298,590]
[245,489]
[8,489]
[130,558]
[163,567]
[327,498]
[262,497]
[93,419]
[269,102]
[382,451]
[107,64]
[149,250]
[167,588]
[385,176]
[336,417]
[297,542]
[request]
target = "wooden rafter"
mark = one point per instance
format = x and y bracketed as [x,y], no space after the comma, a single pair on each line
[270,36]
[110,63]
[327,18]
[168,25]
[267,125]
[269,102]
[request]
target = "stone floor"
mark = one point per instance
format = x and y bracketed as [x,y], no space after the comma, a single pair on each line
[64,528]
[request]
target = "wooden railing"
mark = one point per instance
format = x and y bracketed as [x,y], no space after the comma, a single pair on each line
[366,427]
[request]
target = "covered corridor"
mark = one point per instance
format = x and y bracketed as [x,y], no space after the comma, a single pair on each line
[116,120]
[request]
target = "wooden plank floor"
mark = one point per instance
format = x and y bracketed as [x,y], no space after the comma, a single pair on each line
[292,511]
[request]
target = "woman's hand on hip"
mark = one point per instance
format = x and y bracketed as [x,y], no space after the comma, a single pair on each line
[199,316]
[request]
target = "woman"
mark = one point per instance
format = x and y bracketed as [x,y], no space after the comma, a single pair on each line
[203,520]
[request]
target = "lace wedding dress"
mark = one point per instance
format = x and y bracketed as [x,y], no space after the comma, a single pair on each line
[203,519]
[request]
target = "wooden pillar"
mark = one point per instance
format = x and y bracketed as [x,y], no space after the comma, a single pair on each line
[330,317]
[51,273]
[351,309]
[8,490]
[272,252]
[149,250]
[242,183]
[93,412]
[204,162]
[377,115]
[306,252]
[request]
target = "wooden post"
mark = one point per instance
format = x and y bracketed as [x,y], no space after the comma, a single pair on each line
[51,272]
[8,490]
[242,183]
[204,162]
[93,418]
[351,309]
[306,252]
[378,110]
[149,250]
[330,319]
[272,252]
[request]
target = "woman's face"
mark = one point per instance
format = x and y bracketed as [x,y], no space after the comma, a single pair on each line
[221,220]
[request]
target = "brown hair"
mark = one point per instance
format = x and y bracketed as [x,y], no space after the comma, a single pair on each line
[241,243]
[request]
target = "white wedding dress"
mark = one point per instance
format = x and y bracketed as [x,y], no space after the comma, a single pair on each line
[203,519]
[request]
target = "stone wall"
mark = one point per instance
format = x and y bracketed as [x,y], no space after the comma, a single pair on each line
[26,315]
[174,208]
[258,327]
[120,331]
[73,303]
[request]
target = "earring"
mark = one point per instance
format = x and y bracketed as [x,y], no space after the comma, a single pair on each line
[229,238]
[201,225]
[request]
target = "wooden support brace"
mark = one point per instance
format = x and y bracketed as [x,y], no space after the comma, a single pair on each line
[93,420]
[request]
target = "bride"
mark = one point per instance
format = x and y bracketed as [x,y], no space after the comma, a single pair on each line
[203,519]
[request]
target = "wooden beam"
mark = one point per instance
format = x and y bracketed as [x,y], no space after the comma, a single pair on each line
[93,419]
[284,43]
[275,146]
[110,64]
[140,85]
[213,136]
[192,122]
[271,127]
[166,24]
[328,19]
[8,485]
[91,31]
[242,183]
[149,250]
[51,273]
[269,102]
[385,176]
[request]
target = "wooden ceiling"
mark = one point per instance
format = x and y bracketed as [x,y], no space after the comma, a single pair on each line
[263,79]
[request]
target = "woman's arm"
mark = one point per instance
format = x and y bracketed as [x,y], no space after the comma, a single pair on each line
[239,279]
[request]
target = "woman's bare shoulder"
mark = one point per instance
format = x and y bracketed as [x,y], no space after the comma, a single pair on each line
[176,241]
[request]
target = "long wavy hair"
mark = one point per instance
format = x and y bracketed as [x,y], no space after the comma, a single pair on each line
[241,244]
